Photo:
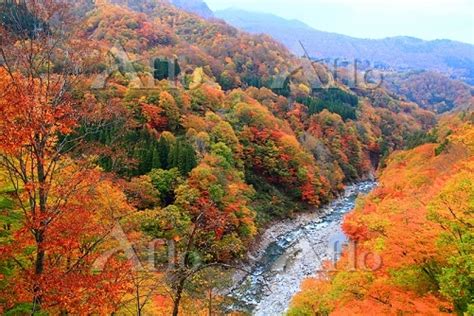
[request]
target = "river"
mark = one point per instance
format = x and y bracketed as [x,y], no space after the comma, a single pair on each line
[291,251]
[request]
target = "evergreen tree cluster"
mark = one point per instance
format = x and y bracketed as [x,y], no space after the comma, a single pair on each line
[164,69]
[144,149]
[334,100]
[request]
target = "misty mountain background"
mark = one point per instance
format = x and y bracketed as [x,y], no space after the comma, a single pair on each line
[402,53]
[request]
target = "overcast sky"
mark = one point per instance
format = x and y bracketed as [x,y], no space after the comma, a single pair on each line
[426,19]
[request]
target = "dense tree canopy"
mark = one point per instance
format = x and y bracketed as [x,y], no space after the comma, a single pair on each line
[135,121]
[419,221]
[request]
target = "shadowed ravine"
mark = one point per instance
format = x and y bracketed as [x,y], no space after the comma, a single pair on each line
[292,252]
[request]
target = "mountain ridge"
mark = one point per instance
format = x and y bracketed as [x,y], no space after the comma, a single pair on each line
[198,7]
[398,52]
[223,14]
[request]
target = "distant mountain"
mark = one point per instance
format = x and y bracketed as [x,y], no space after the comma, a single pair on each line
[400,53]
[198,7]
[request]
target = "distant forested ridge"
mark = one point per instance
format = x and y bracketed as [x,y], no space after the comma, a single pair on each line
[456,59]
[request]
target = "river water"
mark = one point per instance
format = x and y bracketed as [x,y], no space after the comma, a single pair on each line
[291,251]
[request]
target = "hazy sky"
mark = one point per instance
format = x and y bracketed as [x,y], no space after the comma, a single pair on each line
[426,19]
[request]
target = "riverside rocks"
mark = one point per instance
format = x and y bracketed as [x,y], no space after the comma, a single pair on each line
[290,251]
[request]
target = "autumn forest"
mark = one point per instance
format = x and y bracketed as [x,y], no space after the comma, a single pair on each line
[144,150]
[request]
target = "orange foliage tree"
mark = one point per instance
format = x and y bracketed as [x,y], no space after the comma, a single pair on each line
[65,210]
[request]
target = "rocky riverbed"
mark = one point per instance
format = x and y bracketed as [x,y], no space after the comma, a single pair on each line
[291,251]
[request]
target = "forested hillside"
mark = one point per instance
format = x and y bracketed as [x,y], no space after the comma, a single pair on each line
[432,90]
[415,234]
[134,123]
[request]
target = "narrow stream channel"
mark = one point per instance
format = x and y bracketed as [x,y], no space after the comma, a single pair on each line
[296,251]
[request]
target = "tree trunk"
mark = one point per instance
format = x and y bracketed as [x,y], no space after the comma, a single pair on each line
[139,309]
[210,302]
[39,267]
[39,233]
[177,298]
[182,272]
